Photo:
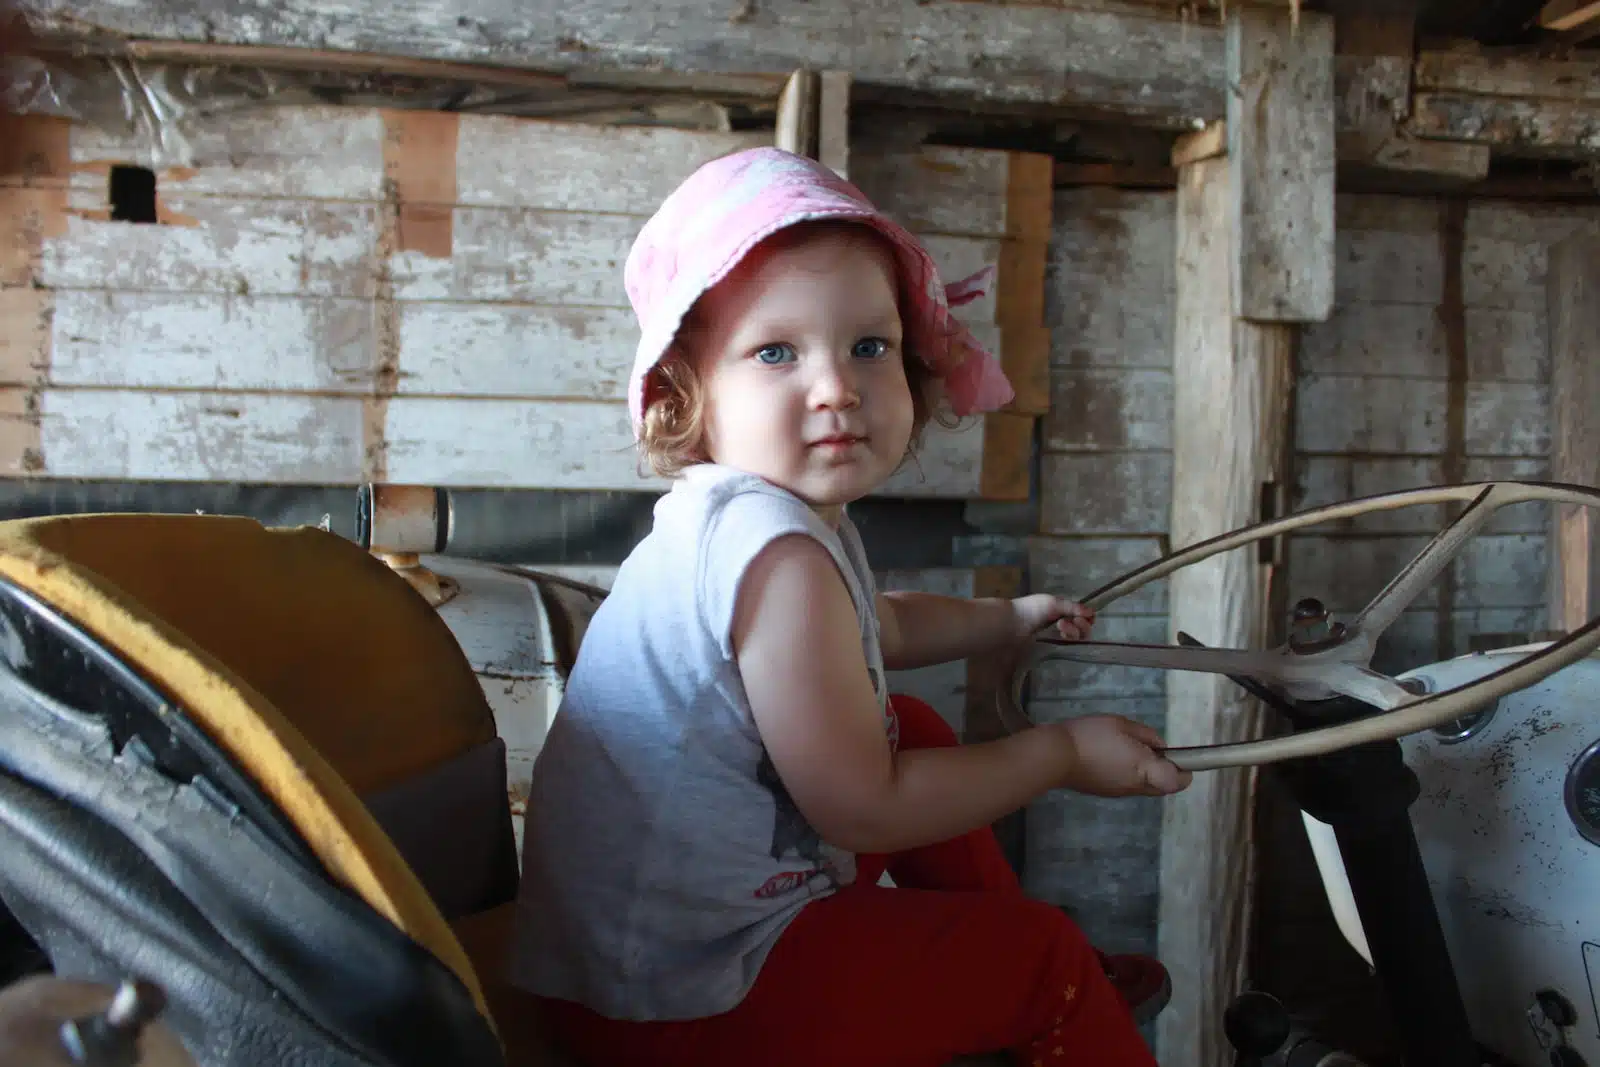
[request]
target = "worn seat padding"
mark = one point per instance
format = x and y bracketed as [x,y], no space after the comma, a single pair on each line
[321,673]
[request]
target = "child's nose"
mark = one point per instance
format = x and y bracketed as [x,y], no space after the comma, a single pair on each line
[835,387]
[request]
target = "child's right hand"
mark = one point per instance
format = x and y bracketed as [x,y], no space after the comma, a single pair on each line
[1118,757]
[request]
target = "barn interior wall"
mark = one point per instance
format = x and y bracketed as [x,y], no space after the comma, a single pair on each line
[125,339]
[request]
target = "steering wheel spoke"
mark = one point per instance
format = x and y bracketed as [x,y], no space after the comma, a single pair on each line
[1426,566]
[1266,666]
[1365,685]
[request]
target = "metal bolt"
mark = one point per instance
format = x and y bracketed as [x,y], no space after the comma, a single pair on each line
[111,1038]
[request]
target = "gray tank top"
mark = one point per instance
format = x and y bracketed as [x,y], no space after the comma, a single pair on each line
[662,856]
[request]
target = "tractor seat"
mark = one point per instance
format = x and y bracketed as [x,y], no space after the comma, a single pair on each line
[254,766]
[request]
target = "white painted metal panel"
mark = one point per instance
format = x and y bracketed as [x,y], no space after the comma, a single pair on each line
[1512,878]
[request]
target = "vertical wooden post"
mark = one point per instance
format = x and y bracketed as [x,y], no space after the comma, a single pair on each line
[797,114]
[833,122]
[1254,257]
[1281,142]
[1574,301]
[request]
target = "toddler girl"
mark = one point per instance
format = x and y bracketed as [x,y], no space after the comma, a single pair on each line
[727,778]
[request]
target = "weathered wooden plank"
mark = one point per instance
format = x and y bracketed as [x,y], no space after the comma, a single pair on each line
[939,189]
[1490,74]
[449,441]
[1109,280]
[1418,638]
[833,122]
[1531,222]
[1324,480]
[419,175]
[796,125]
[1510,271]
[330,249]
[578,445]
[1280,131]
[1075,566]
[1006,464]
[515,350]
[528,163]
[1108,409]
[315,344]
[337,153]
[299,153]
[1386,266]
[192,437]
[209,341]
[224,246]
[1538,127]
[1372,76]
[1031,54]
[26,318]
[1408,340]
[1442,159]
[1387,213]
[1492,572]
[1349,414]
[1574,591]
[1232,391]
[1105,493]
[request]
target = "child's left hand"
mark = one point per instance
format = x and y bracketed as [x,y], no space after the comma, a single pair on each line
[1033,613]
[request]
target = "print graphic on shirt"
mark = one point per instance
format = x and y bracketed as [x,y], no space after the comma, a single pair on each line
[790,830]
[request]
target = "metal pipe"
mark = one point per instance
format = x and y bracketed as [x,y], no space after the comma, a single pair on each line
[500,525]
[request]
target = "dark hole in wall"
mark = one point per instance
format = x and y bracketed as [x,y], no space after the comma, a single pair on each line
[132,194]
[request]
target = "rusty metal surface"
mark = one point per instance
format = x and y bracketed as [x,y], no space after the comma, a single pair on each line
[402,518]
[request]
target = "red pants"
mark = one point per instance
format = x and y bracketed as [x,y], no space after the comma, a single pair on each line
[953,960]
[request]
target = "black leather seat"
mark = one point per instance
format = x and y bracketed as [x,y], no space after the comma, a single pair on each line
[254,766]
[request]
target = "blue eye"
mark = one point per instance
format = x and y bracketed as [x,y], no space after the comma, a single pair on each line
[775,354]
[869,348]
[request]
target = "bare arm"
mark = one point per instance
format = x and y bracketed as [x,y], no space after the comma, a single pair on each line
[799,652]
[918,629]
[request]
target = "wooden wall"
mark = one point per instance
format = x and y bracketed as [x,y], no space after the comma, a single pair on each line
[1105,484]
[332,295]
[1434,368]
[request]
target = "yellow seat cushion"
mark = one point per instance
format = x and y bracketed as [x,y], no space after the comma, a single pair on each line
[320,672]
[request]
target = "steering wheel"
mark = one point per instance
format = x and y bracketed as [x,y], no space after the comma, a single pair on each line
[1338,664]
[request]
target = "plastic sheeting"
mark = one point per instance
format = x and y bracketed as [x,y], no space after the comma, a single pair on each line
[152,105]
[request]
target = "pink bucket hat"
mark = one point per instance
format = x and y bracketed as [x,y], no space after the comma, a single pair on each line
[722,210]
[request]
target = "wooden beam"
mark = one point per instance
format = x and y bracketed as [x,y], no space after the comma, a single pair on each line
[1281,144]
[1556,128]
[1514,74]
[1120,175]
[1231,401]
[1574,295]
[796,129]
[833,122]
[1114,60]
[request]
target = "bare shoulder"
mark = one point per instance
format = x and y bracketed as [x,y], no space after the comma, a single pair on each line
[792,583]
